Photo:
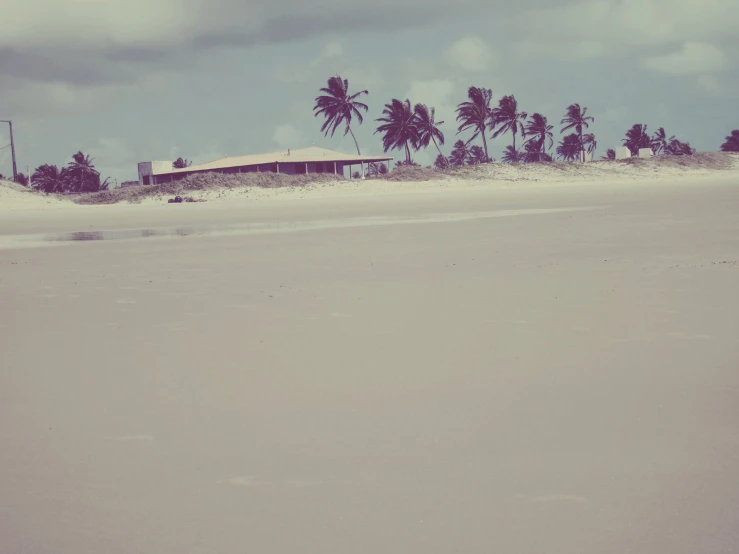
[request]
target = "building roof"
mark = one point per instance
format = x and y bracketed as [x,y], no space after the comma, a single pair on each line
[304,155]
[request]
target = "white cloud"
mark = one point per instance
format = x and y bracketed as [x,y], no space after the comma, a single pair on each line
[615,114]
[300,73]
[37,99]
[333,49]
[694,58]
[569,50]
[363,76]
[606,28]
[471,53]
[292,74]
[438,93]
[95,24]
[288,136]
[709,82]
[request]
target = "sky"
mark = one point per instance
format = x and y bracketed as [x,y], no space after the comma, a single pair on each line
[134,80]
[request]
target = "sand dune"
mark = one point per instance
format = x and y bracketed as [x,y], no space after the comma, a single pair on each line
[229,188]
[14,197]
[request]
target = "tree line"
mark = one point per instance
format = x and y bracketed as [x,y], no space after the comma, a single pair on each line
[407,127]
[79,175]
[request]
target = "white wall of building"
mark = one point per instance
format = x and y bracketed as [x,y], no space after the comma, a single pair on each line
[153,168]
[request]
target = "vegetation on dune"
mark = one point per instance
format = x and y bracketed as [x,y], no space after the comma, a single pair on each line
[570,148]
[461,154]
[218,182]
[540,138]
[475,114]
[398,127]
[637,138]
[428,128]
[609,155]
[660,142]
[511,155]
[181,163]
[78,176]
[732,142]
[507,118]
[204,182]
[576,118]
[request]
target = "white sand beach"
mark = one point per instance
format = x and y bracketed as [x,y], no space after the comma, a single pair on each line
[521,366]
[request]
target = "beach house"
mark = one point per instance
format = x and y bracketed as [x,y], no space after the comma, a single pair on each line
[295,162]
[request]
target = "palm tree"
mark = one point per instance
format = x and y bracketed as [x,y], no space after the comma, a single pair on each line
[508,118]
[539,131]
[181,163]
[83,173]
[477,156]
[441,162]
[679,148]
[375,169]
[592,144]
[609,155]
[570,147]
[460,154]
[427,127]
[398,127]
[339,107]
[732,142]
[576,118]
[511,155]
[48,178]
[533,152]
[660,141]
[475,114]
[637,138]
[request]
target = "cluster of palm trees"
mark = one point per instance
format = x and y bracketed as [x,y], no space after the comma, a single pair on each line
[406,127]
[79,175]
[637,138]
[732,142]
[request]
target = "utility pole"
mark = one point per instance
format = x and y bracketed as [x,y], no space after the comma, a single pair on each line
[12,148]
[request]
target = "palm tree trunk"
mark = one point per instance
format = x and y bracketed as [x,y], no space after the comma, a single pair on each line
[485,145]
[357,145]
[543,147]
[407,154]
[514,139]
[582,149]
[355,141]
[437,147]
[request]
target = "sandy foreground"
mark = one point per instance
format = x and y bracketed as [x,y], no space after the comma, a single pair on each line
[501,369]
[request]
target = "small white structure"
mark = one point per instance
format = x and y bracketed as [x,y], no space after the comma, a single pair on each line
[645,153]
[622,152]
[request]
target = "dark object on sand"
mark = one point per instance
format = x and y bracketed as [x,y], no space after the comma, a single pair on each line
[180,200]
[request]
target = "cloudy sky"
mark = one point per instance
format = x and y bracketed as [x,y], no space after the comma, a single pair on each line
[134,80]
